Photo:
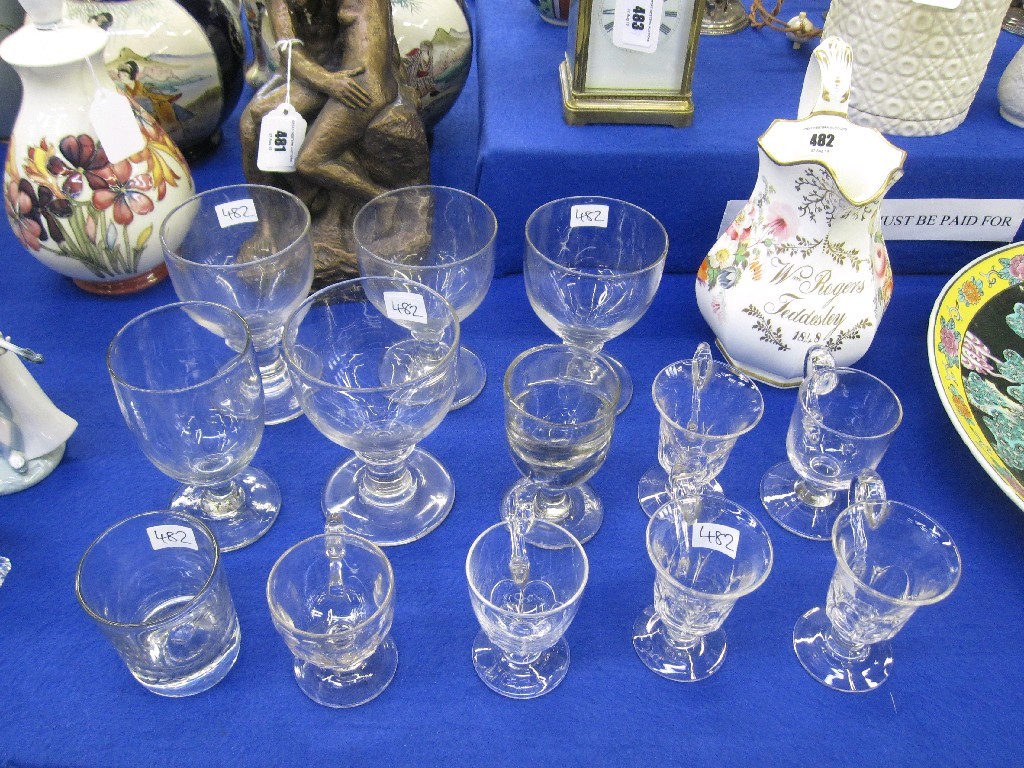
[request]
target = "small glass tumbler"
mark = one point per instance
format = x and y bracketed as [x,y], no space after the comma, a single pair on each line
[247,247]
[592,266]
[559,419]
[842,424]
[702,567]
[705,406]
[189,389]
[155,587]
[373,361]
[332,599]
[890,560]
[442,238]
[520,651]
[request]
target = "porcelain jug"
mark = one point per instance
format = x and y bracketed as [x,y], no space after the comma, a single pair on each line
[82,213]
[804,262]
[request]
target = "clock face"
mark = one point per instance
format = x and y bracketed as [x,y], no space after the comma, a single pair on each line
[638,45]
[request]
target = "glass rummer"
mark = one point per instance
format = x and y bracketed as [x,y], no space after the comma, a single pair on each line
[559,419]
[890,559]
[443,238]
[521,650]
[332,599]
[188,386]
[707,554]
[705,406]
[373,362]
[155,587]
[247,247]
[592,266]
[842,424]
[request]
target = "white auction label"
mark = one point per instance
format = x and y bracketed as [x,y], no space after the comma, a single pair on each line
[164,536]
[236,212]
[637,24]
[588,216]
[720,538]
[117,130]
[954,219]
[404,305]
[282,132]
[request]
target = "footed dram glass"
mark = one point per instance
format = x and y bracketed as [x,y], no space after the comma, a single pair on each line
[248,247]
[373,362]
[842,424]
[155,587]
[189,389]
[559,419]
[524,607]
[443,238]
[706,556]
[890,560]
[592,266]
[705,406]
[332,599]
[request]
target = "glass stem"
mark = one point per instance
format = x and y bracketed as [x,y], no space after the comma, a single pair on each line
[676,637]
[223,501]
[385,480]
[273,370]
[552,506]
[517,659]
[844,649]
[813,495]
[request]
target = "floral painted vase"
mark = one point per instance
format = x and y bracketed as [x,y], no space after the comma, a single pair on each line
[73,208]
[182,61]
[804,262]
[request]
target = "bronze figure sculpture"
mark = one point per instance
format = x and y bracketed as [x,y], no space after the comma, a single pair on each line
[365,135]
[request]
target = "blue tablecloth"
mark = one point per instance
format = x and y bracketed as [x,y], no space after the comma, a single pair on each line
[956,692]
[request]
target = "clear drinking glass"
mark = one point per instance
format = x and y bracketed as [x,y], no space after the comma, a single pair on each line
[373,362]
[592,266]
[705,407]
[520,651]
[442,238]
[843,422]
[247,247]
[559,418]
[703,564]
[332,599]
[890,559]
[189,389]
[154,585]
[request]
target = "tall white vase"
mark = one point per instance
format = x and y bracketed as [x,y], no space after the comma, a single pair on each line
[917,67]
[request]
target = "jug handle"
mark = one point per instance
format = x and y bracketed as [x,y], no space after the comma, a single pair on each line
[826,87]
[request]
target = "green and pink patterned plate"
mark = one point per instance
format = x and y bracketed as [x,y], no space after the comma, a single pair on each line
[976,351]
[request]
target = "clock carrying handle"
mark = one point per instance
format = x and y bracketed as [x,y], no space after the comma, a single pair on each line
[826,87]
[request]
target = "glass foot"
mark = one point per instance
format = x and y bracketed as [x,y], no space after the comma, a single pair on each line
[801,514]
[652,490]
[625,382]
[261,501]
[349,688]
[470,377]
[840,673]
[682,665]
[202,680]
[412,518]
[520,681]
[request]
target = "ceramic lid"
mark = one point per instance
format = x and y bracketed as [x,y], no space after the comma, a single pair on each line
[68,42]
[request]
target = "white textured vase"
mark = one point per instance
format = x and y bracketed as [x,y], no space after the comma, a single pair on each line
[1011,91]
[917,67]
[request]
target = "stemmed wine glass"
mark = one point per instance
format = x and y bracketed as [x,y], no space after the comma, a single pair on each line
[559,418]
[373,362]
[247,247]
[592,266]
[890,559]
[438,236]
[705,407]
[186,379]
[524,609]
[706,556]
[842,424]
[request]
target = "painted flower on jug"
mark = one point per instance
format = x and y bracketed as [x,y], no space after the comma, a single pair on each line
[84,162]
[23,213]
[781,221]
[126,193]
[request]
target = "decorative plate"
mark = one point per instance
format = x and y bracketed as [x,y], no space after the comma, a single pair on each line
[976,351]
